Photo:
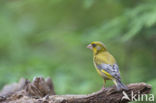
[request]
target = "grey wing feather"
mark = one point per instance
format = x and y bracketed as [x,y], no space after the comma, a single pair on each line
[112,70]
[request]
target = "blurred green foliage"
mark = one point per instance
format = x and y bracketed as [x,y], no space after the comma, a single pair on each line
[49,38]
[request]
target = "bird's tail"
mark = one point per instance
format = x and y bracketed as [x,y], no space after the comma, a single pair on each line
[120,85]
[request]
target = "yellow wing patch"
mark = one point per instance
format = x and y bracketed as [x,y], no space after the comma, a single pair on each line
[107,74]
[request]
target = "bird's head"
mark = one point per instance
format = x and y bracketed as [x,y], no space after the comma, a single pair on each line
[97,46]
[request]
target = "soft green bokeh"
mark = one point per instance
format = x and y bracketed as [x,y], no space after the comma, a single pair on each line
[49,37]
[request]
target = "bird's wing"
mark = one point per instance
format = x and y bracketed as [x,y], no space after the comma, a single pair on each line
[109,69]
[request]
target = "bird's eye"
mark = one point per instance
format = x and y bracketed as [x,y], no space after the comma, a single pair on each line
[94,45]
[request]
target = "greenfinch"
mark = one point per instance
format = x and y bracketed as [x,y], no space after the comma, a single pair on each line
[105,64]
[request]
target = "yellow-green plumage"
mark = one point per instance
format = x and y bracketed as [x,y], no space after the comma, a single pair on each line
[105,64]
[103,57]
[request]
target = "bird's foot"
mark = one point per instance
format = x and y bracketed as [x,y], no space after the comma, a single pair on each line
[103,88]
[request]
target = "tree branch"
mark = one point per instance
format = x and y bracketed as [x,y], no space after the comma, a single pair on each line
[42,91]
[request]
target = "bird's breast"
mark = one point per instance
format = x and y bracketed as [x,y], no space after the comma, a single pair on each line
[105,58]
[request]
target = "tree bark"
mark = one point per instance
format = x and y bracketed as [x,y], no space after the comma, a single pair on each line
[41,91]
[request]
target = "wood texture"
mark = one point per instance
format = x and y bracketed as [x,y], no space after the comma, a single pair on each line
[42,91]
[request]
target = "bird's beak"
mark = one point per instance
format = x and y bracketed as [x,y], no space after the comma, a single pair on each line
[90,46]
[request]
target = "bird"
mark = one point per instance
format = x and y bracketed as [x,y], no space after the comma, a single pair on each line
[106,65]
